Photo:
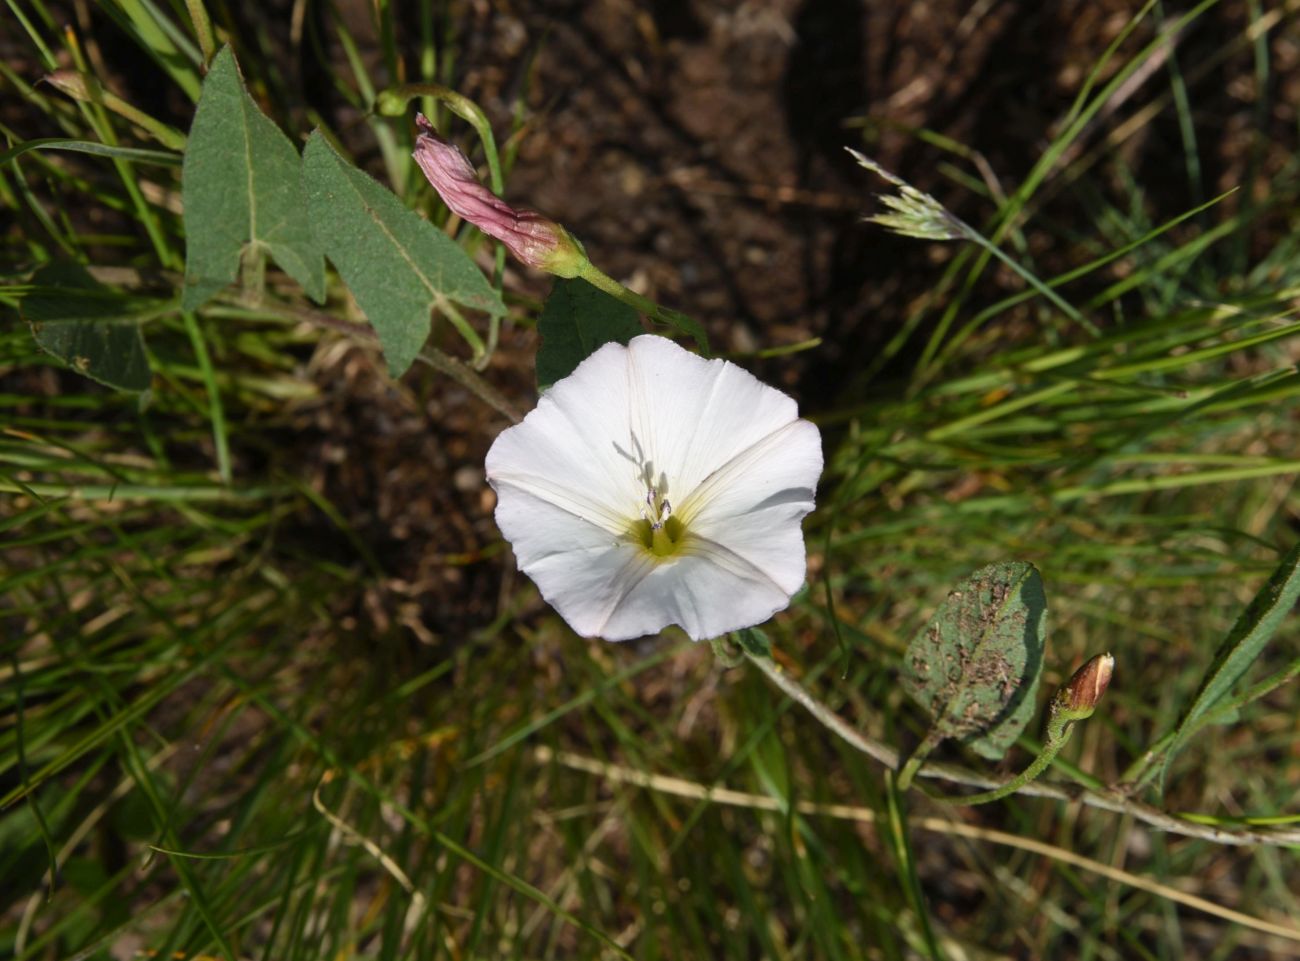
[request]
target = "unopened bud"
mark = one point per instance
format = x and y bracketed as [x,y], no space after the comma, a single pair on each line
[532,238]
[1079,697]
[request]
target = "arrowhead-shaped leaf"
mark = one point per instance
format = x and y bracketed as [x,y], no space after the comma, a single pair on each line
[397,264]
[241,184]
[976,666]
[577,320]
[90,327]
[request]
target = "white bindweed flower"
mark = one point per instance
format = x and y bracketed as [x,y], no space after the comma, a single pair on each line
[652,487]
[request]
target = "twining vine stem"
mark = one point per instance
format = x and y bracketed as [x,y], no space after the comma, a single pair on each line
[1106,800]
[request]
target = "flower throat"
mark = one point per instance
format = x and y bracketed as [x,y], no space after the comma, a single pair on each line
[658,531]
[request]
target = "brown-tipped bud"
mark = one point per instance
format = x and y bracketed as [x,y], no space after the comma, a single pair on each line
[1080,695]
[532,238]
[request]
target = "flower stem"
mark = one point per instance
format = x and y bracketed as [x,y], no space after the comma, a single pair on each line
[792,689]
[465,376]
[481,353]
[673,318]
[913,764]
[1075,701]
[1106,799]
[598,278]
[1058,733]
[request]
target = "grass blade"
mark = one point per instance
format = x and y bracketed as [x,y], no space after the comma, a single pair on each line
[1242,647]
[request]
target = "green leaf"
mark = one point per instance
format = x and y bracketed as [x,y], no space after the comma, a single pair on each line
[1240,649]
[398,265]
[687,325]
[90,327]
[577,321]
[241,185]
[754,641]
[976,666]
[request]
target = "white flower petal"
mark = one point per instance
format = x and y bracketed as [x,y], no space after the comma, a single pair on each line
[567,450]
[740,469]
[694,414]
[581,570]
[753,504]
[707,593]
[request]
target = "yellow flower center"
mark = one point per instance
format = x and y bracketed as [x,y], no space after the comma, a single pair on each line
[658,531]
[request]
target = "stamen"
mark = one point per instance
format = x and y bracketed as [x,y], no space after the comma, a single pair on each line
[658,531]
[659,511]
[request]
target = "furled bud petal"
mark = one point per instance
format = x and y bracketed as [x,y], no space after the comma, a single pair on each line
[532,238]
[1080,695]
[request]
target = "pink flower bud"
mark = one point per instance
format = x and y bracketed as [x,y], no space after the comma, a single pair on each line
[1080,695]
[532,238]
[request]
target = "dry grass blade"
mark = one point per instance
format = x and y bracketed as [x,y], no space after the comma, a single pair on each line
[680,787]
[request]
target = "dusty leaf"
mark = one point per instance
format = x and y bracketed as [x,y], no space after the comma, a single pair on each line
[399,267]
[241,184]
[976,666]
